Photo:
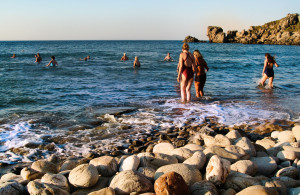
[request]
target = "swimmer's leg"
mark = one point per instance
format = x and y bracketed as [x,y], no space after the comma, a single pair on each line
[188,90]
[271,82]
[263,79]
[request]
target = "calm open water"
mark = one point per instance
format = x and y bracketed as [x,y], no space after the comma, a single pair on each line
[77,97]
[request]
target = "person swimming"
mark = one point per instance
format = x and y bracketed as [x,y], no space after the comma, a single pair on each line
[168,58]
[38,58]
[52,62]
[13,56]
[86,58]
[268,71]
[124,57]
[186,68]
[136,62]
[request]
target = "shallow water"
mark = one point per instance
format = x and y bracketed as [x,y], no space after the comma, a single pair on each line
[79,100]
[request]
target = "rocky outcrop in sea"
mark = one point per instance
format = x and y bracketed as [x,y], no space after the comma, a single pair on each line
[285,31]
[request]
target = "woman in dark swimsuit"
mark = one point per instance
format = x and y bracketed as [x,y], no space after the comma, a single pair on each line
[200,77]
[186,68]
[268,71]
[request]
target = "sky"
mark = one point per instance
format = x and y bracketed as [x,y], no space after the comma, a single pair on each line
[133,19]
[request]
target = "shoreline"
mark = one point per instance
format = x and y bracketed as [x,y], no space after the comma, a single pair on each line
[210,138]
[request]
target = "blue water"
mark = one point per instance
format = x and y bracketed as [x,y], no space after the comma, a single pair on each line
[43,100]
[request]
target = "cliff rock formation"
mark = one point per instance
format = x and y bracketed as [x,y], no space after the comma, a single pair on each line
[285,31]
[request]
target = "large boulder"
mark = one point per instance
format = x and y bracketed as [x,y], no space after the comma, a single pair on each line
[11,188]
[239,181]
[170,183]
[267,143]
[107,166]
[217,170]
[148,172]
[156,160]
[189,173]
[286,136]
[31,174]
[287,155]
[215,34]
[85,175]
[130,181]
[203,188]
[221,152]
[296,132]
[291,172]
[219,140]
[130,163]
[181,154]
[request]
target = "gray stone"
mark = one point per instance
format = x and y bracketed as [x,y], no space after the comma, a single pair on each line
[291,172]
[258,190]
[267,143]
[57,180]
[266,165]
[11,188]
[219,140]
[130,163]
[44,166]
[233,134]
[296,132]
[189,173]
[240,181]
[247,145]
[102,183]
[245,166]
[31,174]
[277,185]
[164,148]
[287,155]
[69,165]
[203,188]
[104,191]
[238,151]
[198,160]
[181,154]
[156,160]
[35,187]
[286,136]
[84,176]
[215,150]
[148,172]
[194,147]
[293,191]
[107,166]
[131,181]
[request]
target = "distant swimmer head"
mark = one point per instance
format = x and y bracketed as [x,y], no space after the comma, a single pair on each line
[186,47]
[124,54]
[136,57]
[52,57]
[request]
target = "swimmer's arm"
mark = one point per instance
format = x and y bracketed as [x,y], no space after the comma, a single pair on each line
[179,68]
[276,64]
[265,65]
[205,66]
[49,63]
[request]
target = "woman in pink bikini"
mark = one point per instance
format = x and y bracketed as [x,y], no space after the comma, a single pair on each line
[186,68]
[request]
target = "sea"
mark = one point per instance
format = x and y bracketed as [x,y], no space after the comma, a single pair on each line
[79,105]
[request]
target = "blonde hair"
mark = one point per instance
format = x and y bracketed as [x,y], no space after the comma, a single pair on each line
[185,46]
[136,57]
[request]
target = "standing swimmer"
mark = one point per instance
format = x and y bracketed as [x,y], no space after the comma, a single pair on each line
[268,71]
[200,76]
[38,58]
[52,62]
[136,62]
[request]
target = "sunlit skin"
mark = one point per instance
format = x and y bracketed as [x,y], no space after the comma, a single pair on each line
[268,64]
[52,61]
[136,62]
[202,68]
[168,58]
[124,57]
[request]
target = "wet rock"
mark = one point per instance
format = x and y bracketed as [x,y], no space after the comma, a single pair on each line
[288,182]
[31,174]
[217,170]
[219,140]
[239,181]
[266,165]
[130,163]
[215,34]
[170,183]
[57,180]
[203,188]
[85,175]
[245,166]
[164,148]
[181,154]
[267,143]
[287,155]
[44,166]
[107,166]
[11,188]
[198,160]
[291,172]
[258,189]
[189,173]
[190,39]
[130,181]
[35,187]
[148,172]
[247,145]
[296,132]
[105,191]
[286,136]
[156,160]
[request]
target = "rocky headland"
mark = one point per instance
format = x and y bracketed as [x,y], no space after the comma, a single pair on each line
[209,158]
[190,39]
[285,31]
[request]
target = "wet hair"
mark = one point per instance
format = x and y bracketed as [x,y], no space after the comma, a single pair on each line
[270,59]
[198,56]
[185,46]
[52,57]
